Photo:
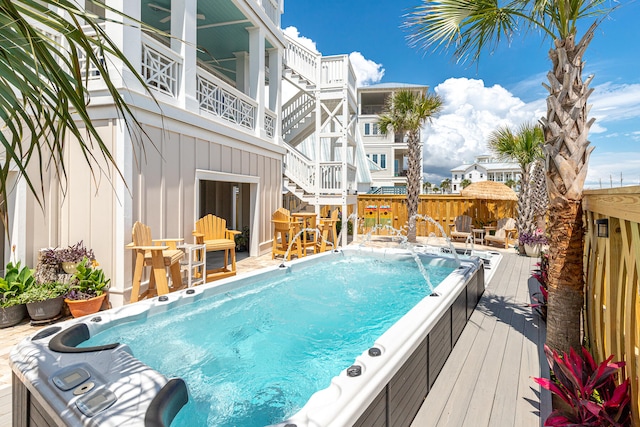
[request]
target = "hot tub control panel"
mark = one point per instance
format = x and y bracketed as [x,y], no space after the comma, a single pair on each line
[70,378]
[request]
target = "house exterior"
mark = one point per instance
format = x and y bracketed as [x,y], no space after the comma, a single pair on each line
[484,168]
[219,138]
[387,154]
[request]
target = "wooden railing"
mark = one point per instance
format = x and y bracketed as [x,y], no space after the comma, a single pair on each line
[392,210]
[612,271]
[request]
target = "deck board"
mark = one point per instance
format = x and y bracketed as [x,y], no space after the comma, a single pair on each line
[486,380]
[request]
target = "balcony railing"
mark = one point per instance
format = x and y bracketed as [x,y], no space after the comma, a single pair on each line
[221,100]
[270,123]
[303,172]
[331,177]
[160,66]
[92,72]
[272,9]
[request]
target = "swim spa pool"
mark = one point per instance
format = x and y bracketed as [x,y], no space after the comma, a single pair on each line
[394,341]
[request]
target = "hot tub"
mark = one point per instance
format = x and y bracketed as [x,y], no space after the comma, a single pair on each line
[57,382]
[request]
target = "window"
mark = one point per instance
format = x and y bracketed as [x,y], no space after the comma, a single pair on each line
[367,130]
[376,129]
[455,176]
[481,175]
[375,158]
[383,161]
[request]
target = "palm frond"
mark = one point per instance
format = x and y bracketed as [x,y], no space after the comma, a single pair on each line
[43,90]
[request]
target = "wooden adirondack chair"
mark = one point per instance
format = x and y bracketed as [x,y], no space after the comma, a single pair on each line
[328,226]
[157,254]
[505,232]
[461,228]
[284,228]
[212,231]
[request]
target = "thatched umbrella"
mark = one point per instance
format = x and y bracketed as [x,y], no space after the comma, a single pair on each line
[490,190]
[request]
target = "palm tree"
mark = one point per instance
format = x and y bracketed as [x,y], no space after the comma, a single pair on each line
[524,147]
[446,185]
[406,112]
[465,183]
[43,78]
[510,183]
[469,27]
[426,186]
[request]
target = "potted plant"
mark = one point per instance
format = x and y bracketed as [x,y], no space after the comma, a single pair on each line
[242,240]
[44,300]
[70,256]
[17,279]
[88,289]
[533,242]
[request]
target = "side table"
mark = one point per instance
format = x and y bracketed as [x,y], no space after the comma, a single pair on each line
[478,235]
[193,263]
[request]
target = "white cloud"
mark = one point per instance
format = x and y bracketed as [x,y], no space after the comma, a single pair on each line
[470,113]
[367,71]
[605,169]
[304,41]
[614,102]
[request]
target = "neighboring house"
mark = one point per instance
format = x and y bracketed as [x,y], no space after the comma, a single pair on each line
[214,144]
[484,168]
[386,153]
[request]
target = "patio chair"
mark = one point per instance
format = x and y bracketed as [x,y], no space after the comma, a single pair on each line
[212,232]
[157,254]
[505,232]
[461,227]
[328,226]
[284,230]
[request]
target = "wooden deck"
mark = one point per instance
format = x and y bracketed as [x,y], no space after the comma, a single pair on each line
[486,380]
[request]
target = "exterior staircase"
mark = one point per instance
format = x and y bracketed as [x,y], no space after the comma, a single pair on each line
[321,111]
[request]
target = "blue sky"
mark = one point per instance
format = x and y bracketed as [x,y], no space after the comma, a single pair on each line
[504,88]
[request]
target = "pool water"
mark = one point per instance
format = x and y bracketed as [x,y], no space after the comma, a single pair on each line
[255,355]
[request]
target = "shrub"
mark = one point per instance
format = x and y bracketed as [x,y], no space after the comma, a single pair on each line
[15,282]
[88,282]
[588,389]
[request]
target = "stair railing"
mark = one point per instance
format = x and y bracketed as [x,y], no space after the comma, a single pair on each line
[301,60]
[294,110]
[299,169]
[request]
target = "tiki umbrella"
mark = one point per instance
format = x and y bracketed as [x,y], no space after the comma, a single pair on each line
[490,190]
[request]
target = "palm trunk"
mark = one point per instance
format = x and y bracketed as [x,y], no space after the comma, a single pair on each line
[525,211]
[413,183]
[567,156]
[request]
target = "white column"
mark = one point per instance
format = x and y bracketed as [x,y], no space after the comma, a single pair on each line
[128,38]
[242,71]
[184,30]
[256,75]
[275,90]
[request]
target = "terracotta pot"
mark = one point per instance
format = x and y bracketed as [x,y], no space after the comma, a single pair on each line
[83,307]
[13,315]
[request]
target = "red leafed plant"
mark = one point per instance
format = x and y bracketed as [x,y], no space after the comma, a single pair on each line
[588,389]
[541,298]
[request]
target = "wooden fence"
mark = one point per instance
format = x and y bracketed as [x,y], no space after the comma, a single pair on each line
[378,210]
[612,270]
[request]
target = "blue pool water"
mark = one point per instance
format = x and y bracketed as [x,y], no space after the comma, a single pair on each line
[253,356]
